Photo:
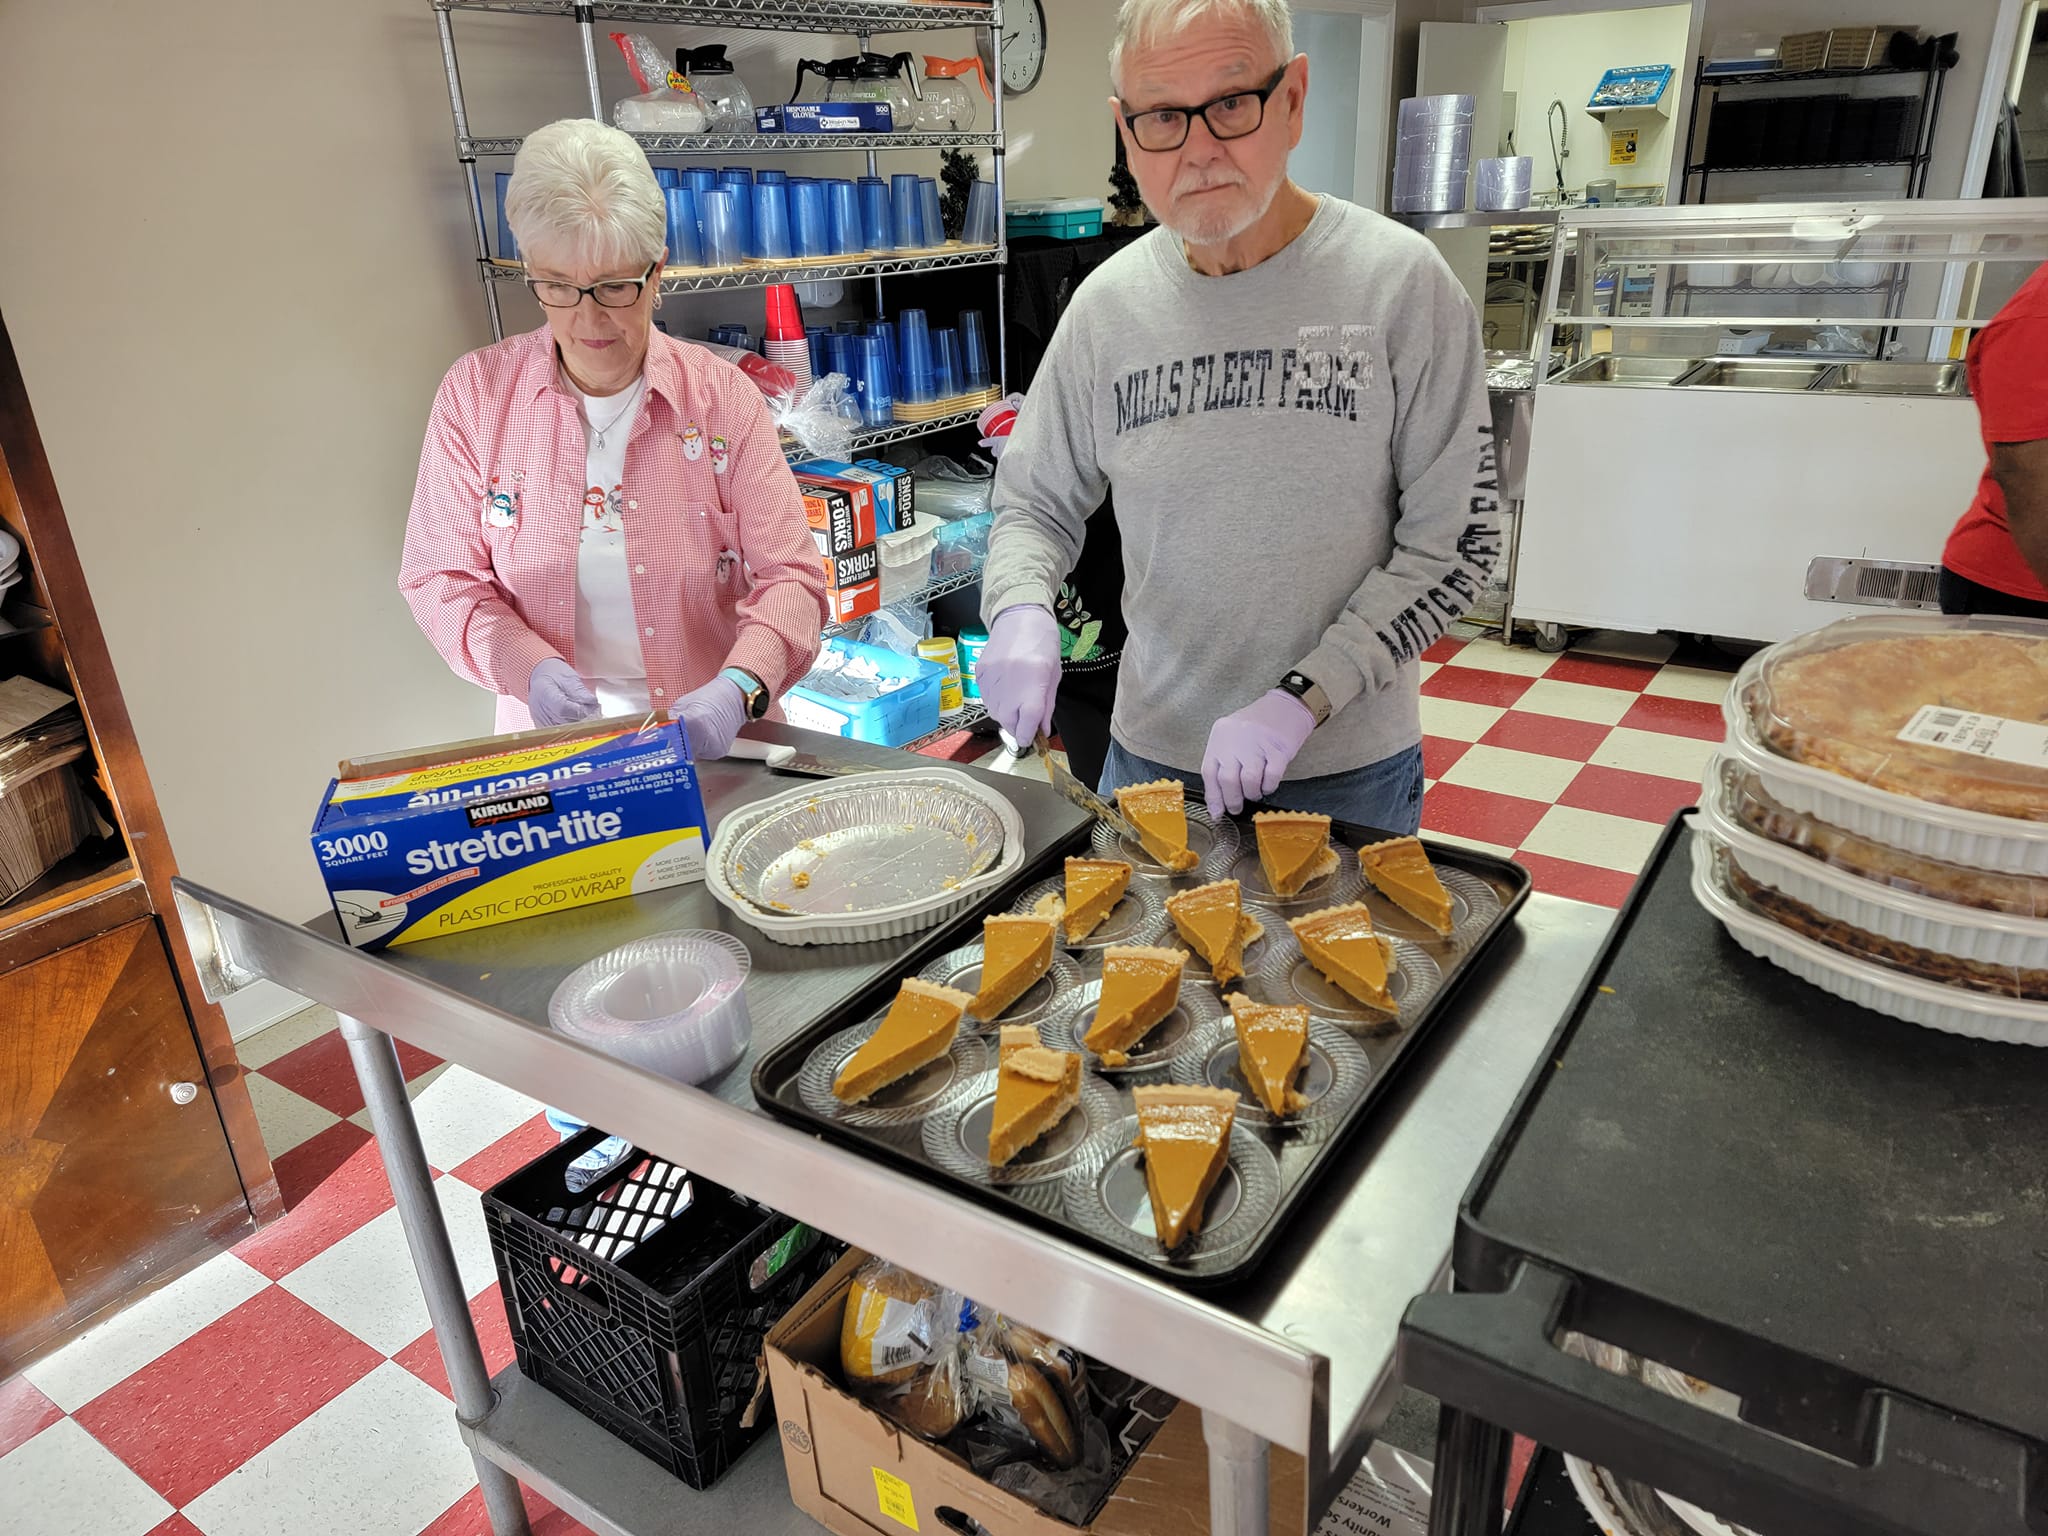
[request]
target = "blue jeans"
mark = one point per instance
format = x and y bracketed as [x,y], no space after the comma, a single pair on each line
[1386,794]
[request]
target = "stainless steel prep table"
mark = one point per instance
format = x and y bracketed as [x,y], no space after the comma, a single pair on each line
[1302,1358]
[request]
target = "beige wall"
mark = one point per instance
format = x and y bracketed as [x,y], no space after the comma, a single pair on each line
[1561,58]
[233,291]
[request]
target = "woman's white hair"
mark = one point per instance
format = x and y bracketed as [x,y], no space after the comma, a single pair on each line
[583,192]
[1141,23]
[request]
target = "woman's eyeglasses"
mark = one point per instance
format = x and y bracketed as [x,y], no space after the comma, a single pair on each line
[616,293]
[1164,129]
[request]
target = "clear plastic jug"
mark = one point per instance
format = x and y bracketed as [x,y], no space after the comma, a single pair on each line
[720,90]
[827,77]
[886,78]
[949,104]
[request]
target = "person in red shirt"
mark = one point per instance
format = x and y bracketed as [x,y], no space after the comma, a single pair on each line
[1997,557]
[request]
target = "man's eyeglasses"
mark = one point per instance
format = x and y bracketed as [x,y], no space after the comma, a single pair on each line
[1164,129]
[615,293]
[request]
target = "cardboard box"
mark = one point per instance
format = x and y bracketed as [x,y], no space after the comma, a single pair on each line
[853,584]
[892,508]
[826,117]
[906,491]
[420,845]
[858,1474]
[841,513]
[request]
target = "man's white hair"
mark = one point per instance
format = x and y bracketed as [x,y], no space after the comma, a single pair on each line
[1141,23]
[582,191]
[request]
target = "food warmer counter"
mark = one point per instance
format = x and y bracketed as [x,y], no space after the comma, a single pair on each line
[1784,438]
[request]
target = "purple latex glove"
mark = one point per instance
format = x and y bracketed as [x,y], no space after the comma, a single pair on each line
[1249,751]
[1020,671]
[555,695]
[712,716]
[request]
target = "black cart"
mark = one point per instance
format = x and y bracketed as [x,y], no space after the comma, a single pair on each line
[1840,1219]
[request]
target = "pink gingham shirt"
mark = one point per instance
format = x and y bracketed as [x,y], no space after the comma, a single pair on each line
[724,569]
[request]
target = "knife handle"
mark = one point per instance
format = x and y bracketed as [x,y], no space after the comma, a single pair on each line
[772,753]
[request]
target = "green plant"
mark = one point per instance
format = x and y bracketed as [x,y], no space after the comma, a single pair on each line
[1125,201]
[957,173]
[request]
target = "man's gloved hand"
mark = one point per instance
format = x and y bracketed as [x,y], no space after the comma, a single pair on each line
[1249,751]
[555,695]
[712,716]
[1020,670]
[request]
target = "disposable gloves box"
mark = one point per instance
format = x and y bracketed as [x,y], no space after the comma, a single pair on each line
[421,845]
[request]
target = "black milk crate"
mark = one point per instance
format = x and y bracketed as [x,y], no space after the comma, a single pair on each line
[643,1300]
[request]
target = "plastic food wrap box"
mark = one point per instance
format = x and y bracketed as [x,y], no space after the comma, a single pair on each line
[857,1473]
[424,844]
[888,721]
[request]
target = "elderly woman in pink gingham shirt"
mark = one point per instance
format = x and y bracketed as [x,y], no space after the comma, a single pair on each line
[604,523]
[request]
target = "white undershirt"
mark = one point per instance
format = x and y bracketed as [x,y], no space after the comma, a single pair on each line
[607,636]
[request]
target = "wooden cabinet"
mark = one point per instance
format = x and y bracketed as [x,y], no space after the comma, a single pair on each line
[114,1161]
[108,1182]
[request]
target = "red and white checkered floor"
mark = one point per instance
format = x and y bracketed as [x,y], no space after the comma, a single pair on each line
[291,1388]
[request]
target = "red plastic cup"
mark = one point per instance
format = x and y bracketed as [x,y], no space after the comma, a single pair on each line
[785,320]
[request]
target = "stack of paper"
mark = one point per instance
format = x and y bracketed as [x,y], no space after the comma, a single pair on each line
[43,812]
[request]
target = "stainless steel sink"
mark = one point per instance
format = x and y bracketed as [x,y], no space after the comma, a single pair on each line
[1755,373]
[1621,369]
[1937,379]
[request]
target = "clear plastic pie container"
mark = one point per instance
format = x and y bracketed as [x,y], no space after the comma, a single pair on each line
[1941,941]
[1911,999]
[1926,732]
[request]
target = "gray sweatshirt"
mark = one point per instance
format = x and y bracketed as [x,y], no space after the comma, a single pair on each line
[1303,462]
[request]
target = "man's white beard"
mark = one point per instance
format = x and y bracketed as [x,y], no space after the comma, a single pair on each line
[1221,227]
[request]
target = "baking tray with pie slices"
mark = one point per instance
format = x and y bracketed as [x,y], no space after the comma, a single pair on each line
[1084,1178]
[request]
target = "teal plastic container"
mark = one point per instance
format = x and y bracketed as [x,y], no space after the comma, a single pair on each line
[971,643]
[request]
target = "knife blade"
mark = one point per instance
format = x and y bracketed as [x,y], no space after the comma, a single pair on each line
[1073,789]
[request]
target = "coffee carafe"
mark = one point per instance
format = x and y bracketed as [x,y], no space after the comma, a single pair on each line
[722,92]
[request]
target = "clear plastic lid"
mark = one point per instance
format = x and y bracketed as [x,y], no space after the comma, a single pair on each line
[1753,887]
[1743,800]
[1949,711]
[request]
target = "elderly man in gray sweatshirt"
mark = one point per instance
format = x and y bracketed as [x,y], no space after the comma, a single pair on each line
[1288,395]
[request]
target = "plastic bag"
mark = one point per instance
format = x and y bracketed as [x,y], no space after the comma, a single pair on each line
[666,104]
[825,420]
[899,1346]
[950,490]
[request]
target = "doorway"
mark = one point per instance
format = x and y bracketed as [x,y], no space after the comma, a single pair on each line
[1350,48]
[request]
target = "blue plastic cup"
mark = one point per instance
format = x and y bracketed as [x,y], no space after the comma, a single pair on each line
[700,178]
[809,228]
[740,174]
[770,178]
[946,364]
[684,248]
[821,354]
[771,223]
[839,353]
[871,384]
[843,231]
[668,176]
[877,219]
[886,329]
[975,373]
[906,214]
[508,248]
[718,227]
[980,228]
[918,381]
[929,216]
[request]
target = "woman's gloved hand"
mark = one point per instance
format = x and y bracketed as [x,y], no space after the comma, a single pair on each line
[1249,751]
[555,695]
[1019,671]
[712,716]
